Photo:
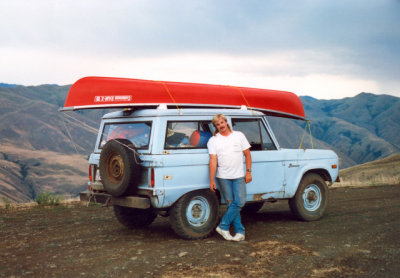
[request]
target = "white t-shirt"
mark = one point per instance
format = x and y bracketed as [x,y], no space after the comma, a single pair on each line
[229,150]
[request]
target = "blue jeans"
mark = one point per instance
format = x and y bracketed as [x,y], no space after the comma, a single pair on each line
[234,192]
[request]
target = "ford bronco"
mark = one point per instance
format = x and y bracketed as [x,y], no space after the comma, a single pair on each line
[149,162]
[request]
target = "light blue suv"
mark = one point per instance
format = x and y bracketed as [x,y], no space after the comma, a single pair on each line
[155,161]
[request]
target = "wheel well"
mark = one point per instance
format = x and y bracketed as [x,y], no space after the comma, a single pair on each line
[217,192]
[321,172]
[199,190]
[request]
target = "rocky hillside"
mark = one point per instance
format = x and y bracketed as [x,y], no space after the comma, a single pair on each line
[378,172]
[44,150]
[365,127]
[360,129]
[40,148]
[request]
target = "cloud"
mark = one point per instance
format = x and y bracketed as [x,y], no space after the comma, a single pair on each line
[269,71]
[231,26]
[354,43]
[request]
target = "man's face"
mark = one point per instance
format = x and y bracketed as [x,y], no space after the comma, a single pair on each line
[222,126]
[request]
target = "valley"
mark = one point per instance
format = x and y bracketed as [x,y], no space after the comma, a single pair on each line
[43,150]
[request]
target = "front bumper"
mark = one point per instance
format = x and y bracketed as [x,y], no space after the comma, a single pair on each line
[107,199]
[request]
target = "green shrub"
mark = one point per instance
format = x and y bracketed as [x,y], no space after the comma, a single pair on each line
[7,202]
[47,199]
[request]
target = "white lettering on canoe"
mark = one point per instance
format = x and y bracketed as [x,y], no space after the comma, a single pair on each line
[112,98]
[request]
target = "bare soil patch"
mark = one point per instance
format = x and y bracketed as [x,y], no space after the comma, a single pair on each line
[358,237]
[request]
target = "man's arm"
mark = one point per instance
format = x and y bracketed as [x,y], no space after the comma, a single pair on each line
[213,170]
[247,156]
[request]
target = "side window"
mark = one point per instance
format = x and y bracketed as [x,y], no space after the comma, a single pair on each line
[185,135]
[137,133]
[267,143]
[255,132]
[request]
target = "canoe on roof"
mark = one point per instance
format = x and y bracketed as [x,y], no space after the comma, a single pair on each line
[109,92]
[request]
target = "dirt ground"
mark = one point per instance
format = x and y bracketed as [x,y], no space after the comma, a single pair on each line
[358,237]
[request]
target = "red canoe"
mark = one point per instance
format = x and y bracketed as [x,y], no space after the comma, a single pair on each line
[107,92]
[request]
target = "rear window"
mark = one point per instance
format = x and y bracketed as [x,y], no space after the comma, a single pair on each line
[138,133]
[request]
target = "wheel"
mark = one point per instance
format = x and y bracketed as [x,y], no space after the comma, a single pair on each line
[195,214]
[119,167]
[251,208]
[311,198]
[133,217]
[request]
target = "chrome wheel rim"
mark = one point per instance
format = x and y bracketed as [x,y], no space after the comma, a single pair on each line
[312,197]
[198,211]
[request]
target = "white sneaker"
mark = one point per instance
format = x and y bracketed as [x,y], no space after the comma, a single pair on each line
[238,237]
[225,234]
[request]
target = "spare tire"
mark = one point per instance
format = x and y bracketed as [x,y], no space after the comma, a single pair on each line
[119,167]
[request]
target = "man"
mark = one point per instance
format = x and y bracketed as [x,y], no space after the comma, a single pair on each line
[226,149]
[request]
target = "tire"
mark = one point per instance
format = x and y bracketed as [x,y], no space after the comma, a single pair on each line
[252,208]
[195,215]
[119,168]
[311,199]
[134,218]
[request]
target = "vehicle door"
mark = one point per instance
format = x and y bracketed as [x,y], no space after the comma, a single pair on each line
[267,161]
[185,160]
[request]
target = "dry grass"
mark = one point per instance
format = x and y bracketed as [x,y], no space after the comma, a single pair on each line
[73,201]
[379,172]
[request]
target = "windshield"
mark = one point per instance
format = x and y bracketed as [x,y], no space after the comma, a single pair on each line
[137,133]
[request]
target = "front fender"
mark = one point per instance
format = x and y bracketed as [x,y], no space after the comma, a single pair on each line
[324,171]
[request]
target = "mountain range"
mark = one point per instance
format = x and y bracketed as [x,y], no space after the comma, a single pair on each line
[42,149]
[359,129]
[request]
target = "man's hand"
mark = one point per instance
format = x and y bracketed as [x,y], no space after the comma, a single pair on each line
[247,156]
[212,186]
[248,178]
[213,170]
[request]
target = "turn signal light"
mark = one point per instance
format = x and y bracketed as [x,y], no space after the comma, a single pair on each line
[152,177]
[334,166]
[90,173]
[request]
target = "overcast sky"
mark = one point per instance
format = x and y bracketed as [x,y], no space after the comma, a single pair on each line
[325,49]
